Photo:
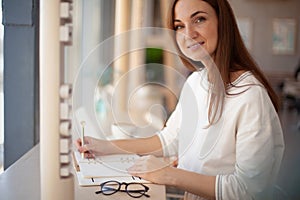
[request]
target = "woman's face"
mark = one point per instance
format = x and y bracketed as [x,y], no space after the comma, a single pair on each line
[196,27]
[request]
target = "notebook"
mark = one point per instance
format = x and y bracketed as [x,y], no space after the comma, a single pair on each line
[104,168]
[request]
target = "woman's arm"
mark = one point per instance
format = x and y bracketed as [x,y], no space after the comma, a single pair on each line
[142,146]
[195,183]
[158,171]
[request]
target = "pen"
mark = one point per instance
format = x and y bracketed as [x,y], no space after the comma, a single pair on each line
[82,136]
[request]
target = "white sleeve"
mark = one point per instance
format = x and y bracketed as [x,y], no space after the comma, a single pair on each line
[259,150]
[169,134]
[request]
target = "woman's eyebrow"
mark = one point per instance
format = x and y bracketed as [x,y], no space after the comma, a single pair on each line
[196,13]
[192,15]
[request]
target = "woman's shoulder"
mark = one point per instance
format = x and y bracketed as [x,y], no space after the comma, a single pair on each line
[246,79]
[248,87]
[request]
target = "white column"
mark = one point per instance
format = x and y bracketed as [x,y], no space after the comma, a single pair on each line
[52,185]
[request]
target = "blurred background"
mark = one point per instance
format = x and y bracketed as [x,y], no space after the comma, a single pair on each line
[270,29]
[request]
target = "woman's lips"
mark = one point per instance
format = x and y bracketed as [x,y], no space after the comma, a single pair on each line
[195,46]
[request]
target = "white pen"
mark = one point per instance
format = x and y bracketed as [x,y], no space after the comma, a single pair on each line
[82,136]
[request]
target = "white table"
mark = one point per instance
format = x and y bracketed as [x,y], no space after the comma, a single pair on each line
[22,181]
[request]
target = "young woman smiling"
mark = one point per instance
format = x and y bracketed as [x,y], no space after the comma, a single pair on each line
[225,129]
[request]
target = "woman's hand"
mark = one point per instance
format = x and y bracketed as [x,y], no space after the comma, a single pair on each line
[151,168]
[93,147]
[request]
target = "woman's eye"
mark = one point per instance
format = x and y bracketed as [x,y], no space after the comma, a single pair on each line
[178,27]
[200,19]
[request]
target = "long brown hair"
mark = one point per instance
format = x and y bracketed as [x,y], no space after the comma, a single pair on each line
[231,55]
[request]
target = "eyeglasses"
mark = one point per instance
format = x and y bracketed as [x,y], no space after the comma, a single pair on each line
[135,190]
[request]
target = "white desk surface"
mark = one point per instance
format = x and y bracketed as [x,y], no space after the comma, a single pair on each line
[22,181]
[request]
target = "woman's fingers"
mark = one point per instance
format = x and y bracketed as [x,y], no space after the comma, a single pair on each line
[89,154]
[82,148]
[77,143]
[150,168]
[85,148]
[94,146]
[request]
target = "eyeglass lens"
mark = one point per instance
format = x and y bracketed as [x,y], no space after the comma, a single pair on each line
[136,190]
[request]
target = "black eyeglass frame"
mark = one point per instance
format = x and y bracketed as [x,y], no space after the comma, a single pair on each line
[115,190]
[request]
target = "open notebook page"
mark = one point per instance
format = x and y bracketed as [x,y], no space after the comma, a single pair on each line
[105,166]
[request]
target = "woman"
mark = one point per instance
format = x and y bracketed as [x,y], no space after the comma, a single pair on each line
[226,134]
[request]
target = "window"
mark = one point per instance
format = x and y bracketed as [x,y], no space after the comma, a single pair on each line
[1,96]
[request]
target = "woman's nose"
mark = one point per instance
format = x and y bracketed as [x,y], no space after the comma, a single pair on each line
[191,33]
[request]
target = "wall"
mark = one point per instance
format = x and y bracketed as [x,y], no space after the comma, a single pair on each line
[21,78]
[262,13]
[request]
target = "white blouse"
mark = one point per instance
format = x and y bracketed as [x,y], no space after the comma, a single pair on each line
[243,149]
